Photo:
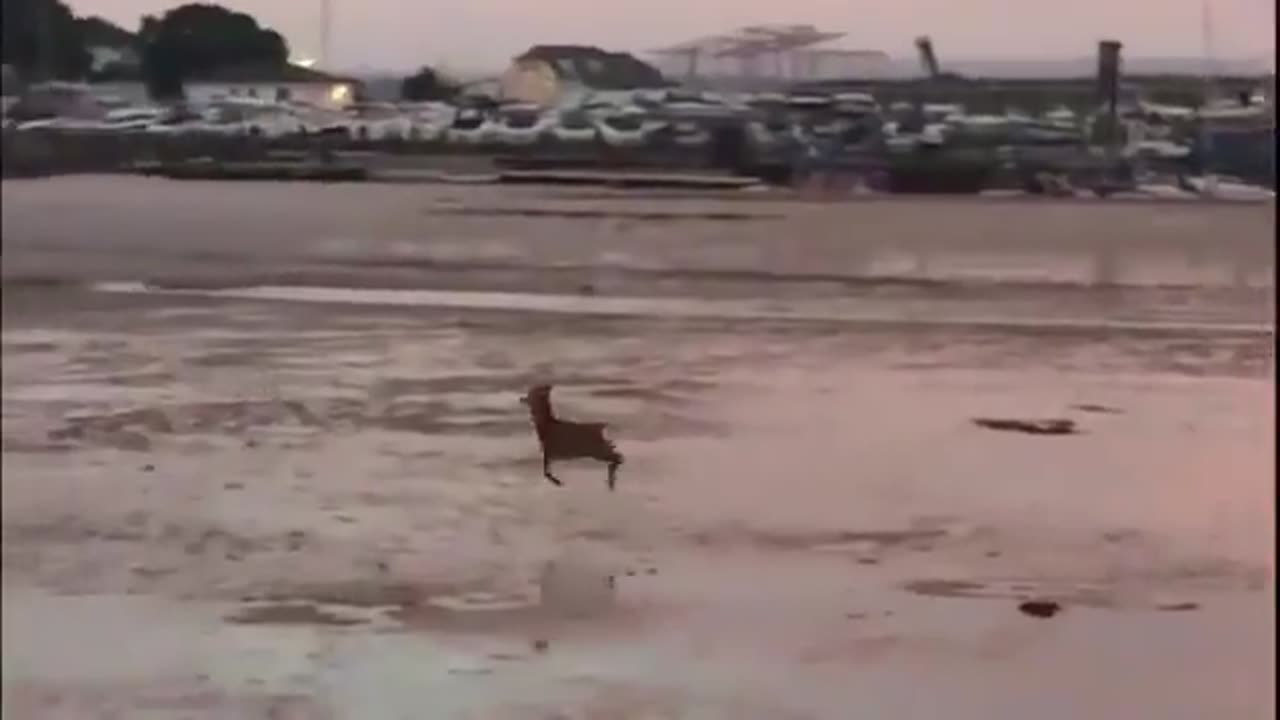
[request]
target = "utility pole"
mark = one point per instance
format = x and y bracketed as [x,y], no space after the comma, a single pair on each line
[1210,92]
[1109,72]
[326,20]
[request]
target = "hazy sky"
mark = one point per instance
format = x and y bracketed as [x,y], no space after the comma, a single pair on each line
[484,34]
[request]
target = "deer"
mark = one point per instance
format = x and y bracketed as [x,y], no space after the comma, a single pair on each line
[566,439]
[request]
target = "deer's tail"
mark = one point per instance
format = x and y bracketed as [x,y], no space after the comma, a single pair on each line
[611,449]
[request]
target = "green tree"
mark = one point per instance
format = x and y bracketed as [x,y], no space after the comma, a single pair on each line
[426,85]
[98,31]
[41,39]
[200,38]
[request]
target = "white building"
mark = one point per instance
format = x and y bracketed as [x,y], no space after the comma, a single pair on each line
[275,84]
[103,57]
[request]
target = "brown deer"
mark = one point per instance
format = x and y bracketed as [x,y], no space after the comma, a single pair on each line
[568,440]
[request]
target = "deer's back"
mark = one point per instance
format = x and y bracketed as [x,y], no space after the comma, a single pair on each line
[565,439]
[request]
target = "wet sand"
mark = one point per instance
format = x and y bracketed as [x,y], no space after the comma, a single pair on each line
[557,240]
[304,507]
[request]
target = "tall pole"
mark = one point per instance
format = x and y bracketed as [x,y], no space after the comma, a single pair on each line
[1206,40]
[1206,132]
[326,20]
[1109,86]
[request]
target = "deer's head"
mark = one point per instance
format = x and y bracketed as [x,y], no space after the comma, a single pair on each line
[537,397]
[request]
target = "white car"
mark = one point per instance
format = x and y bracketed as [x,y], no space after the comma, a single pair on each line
[689,134]
[573,126]
[627,127]
[859,103]
[273,124]
[428,121]
[197,126]
[521,124]
[1062,116]
[379,121]
[62,123]
[256,120]
[317,120]
[133,118]
[470,127]
[1157,149]
[768,133]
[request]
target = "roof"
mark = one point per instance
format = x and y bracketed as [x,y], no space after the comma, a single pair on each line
[265,73]
[595,68]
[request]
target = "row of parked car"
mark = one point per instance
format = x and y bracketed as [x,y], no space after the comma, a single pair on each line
[628,120]
[682,119]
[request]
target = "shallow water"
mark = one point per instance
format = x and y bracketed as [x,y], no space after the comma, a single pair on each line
[124,228]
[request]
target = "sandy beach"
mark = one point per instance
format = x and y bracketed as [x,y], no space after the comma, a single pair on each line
[228,497]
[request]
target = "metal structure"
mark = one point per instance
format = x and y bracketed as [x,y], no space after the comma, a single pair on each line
[784,52]
[928,58]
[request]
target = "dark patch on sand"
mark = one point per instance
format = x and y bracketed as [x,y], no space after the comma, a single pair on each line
[36,346]
[1040,608]
[1026,590]
[356,593]
[290,614]
[1050,426]
[1178,606]
[837,540]
[1097,409]
[39,282]
[28,699]
[1034,595]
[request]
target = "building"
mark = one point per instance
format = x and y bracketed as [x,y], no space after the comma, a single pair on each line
[104,59]
[275,84]
[547,74]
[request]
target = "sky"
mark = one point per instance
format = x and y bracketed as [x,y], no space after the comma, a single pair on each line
[482,35]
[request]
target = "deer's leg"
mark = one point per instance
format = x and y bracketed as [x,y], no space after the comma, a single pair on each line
[613,472]
[546,471]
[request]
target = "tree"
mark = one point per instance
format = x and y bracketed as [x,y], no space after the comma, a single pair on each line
[42,39]
[123,65]
[98,31]
[200,38]
[426,85]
